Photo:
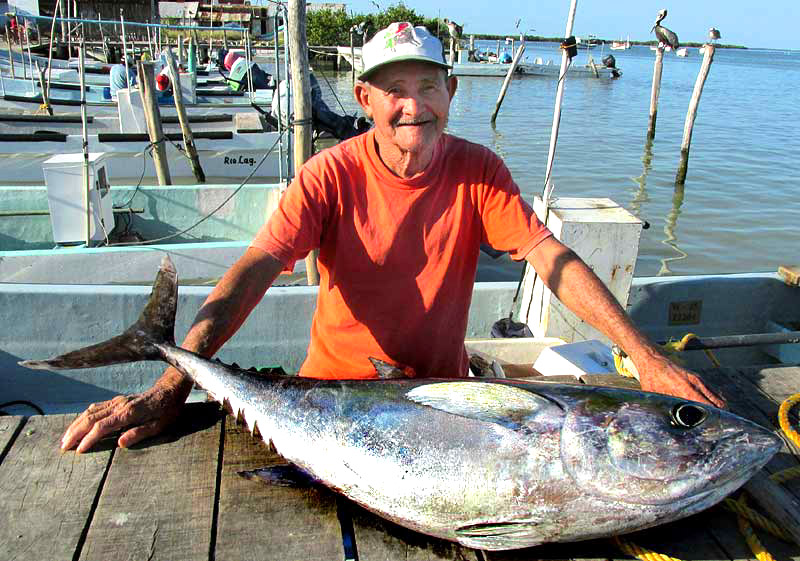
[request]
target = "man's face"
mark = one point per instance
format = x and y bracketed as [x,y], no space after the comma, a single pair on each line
[409,103]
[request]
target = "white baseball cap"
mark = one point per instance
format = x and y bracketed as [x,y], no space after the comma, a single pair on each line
[401,41]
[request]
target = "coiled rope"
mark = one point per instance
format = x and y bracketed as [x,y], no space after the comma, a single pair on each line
[744,514]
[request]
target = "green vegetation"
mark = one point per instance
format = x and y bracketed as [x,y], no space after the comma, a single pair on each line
[332,27]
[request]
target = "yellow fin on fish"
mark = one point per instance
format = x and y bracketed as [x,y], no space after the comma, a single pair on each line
[489,401]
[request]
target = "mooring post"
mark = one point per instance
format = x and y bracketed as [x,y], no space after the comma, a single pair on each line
[147,84]
[45,96]
[708,58]
[301,90]
[10,54]
[188,138]
[452,57]
[352,58]
[651,127]
[511,70]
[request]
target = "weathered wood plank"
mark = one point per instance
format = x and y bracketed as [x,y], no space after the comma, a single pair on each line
[378,539]
[158,499]
[46,496]
[260,521]
[8,428]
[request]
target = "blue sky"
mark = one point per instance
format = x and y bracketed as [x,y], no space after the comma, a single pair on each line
[766,24]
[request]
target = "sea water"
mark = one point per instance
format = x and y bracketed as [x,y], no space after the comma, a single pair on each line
[739,209]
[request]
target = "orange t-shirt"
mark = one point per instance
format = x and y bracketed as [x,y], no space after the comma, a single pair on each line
[397,257]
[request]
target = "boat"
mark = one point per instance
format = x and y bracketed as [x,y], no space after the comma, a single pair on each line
[682,52]
[621,45]
[537,67]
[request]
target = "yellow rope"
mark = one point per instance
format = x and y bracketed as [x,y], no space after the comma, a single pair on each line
[785,475]
[750,536]
[641,552]
[783,418]
[759,520]
[745,514]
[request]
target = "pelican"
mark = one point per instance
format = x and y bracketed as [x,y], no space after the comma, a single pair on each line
[713,34]
[454,29]
[664,35]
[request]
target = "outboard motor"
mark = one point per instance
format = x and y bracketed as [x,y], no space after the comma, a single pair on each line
[610,62]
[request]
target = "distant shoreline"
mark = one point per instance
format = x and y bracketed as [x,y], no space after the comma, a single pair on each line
[595,40]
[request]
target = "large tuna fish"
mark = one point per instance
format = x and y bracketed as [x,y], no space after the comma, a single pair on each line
[492,464]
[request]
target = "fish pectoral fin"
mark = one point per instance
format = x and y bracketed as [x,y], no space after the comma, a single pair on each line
[485,400]
[283,475]
[501,535]
[388,371]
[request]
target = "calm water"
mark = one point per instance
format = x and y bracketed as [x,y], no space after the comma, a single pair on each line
[739,210]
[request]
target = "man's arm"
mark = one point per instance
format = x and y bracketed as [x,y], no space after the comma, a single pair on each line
[147,414]
[576,285]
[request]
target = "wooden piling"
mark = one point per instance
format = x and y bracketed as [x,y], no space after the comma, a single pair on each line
[147,84]
[507,81]
[452,51]
[45,92]
[10,54]
[188,138]
[593,66]
[651,127]
[352,58]
[708,58]
[301,88]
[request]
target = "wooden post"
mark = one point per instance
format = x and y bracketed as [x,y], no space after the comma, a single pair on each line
[708,58]
[593,67]
[511,70]
[10,54]
[352,59]
[498,50]
[188,139]
[301,90]
[180,50]
[224,38]
[452,51]
[147,84]
[651,127]
[45,96]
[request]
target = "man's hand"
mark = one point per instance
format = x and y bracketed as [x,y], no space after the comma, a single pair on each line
[661,375]
[139,415]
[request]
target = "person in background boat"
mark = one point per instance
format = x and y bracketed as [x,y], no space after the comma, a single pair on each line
[118,80]
[398,215]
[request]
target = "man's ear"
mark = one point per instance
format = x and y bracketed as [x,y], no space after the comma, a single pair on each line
[452,85]
[362,93]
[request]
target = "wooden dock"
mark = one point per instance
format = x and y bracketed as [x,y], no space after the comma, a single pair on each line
[179,497]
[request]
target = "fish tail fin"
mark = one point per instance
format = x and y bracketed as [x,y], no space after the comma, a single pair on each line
[141,341]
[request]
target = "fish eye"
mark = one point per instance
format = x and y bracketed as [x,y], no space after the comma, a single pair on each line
[688,415]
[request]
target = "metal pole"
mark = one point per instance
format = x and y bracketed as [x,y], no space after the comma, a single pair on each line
[557,112]
[85,135]
[50,51]
[124,47]
[278,91]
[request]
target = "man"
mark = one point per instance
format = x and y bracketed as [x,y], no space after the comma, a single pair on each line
[398,215]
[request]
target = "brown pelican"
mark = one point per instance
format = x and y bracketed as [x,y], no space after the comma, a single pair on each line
[454,29]
[664,35]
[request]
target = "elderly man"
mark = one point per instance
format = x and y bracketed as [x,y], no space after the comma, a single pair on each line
[398,215]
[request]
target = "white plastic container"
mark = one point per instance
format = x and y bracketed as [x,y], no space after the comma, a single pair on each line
[63,175]
[576,359]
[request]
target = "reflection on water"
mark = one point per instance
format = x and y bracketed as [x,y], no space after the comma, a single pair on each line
[669,229]
[641,197]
